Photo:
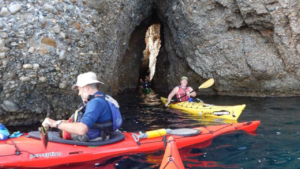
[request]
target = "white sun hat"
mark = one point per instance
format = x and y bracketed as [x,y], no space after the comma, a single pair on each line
[85,79]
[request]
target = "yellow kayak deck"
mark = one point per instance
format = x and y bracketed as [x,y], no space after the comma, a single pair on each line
[208,110]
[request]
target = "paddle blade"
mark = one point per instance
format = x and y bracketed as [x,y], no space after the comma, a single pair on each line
[44,136]
[207,84]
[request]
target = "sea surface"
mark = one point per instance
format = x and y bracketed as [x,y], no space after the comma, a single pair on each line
[275,145]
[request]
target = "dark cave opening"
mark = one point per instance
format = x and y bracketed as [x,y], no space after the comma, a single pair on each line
[155,21]
[131,68]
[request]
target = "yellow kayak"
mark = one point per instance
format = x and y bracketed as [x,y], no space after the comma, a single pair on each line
[208,110]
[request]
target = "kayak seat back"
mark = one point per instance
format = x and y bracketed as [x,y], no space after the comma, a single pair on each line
[54,137]
[186,132]
[106,129]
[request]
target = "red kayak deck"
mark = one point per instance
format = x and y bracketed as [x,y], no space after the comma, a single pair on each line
[33,154]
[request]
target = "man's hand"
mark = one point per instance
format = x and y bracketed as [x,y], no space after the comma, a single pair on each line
[49,123]
[167,104]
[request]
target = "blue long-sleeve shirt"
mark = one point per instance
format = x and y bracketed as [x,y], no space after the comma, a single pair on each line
[97,111]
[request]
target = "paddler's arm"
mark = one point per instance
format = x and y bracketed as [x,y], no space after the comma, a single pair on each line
[171,95]
[193,93]
[73,128]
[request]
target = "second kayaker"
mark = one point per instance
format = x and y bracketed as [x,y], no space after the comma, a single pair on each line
[183,92]
[95,110]
[146,85]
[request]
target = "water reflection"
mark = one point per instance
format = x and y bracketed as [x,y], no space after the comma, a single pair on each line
[148,97]
[189,156]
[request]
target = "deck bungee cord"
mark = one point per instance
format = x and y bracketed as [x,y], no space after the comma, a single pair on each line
[18,151]
[171,159]
[190,132]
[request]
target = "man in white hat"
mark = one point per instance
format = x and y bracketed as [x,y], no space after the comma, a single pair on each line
[96,110]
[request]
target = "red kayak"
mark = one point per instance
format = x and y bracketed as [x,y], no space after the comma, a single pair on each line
[171,158]
[28,150]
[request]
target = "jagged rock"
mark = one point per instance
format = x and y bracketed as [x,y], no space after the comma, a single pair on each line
[42,50]
[42,79]
[62,85]
[27,66]
[25,79]
[62,55]
[36,66]
[4,12]
[4,63]
[56,29]
[2,43]
[8,76]
[2,55]
[101,6]
[3,35]
[10,106]
[242,61]
[63,35]
[48,41]
[14,44]
[4,49]
[31,50]
[50,8]
[42,20]
[15,8]
[1,24]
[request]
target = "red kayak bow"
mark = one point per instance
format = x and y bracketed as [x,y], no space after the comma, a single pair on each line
[171,158]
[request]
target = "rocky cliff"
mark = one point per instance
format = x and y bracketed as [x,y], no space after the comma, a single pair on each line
[250,48]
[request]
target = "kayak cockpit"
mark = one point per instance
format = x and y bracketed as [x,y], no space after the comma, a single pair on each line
[54,137]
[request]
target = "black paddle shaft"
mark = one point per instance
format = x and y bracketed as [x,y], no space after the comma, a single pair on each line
[48,110]
[185,95]
[44,131]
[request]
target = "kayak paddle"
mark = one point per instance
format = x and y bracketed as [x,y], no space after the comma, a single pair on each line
[44,132]
[207,84]
[44,136]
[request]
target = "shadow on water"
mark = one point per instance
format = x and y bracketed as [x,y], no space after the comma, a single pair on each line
[276,144]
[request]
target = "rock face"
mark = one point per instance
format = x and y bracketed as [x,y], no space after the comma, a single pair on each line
[249,48]
[44,45]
